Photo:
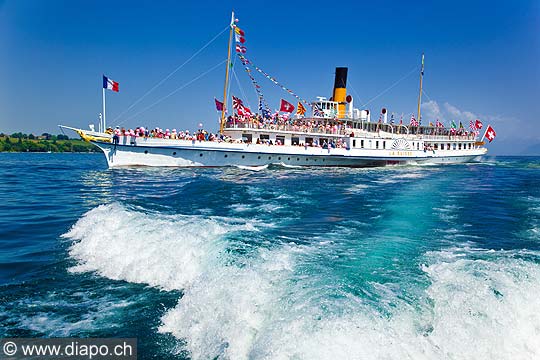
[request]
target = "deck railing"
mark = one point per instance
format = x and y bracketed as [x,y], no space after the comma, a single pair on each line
[400,131]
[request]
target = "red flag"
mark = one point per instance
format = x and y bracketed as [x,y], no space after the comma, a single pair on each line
[243,111]
[219,105]
[490,133]
[478,124]
[240,49]
[286,106]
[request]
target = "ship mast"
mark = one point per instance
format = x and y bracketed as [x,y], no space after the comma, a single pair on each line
[420,94]
[222,121]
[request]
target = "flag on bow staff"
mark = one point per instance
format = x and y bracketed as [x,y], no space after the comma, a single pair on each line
[110,84]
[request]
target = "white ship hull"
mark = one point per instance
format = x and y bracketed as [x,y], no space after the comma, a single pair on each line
[183,153]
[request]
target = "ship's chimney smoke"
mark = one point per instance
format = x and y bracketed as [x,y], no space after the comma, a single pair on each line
[340,90]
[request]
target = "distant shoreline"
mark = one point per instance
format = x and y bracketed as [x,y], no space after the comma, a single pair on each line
[23,143]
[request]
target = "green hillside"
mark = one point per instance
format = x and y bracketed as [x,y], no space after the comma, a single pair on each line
[20,142]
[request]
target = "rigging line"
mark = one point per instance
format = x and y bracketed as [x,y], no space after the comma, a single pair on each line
[393,85]
[176,90]
[424,92]
[172,73]
[355,92]
[226,101]
[241,88]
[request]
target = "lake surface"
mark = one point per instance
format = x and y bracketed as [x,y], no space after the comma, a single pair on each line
[405,262]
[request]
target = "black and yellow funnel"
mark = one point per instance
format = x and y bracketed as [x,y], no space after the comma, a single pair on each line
[340,90]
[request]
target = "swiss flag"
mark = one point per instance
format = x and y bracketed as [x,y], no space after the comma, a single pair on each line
[490,133]
[478,124]
[286,106]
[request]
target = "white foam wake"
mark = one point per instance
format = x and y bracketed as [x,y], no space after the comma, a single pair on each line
[473,309]
[477,304]
[168,252]
[253,168]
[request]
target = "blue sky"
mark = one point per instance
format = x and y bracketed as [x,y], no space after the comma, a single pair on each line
[482,60]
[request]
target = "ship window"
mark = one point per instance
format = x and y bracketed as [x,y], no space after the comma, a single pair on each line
[295,140]
[200,154]
[362,144]
[354,143]
[454,146]
[146,151]
[376,144]
[436,146]
[309,141]
[384,144]
[307,159]
[258,157]
[243,156]
[269,158]
[459,146]
[226,155]
[288,158]
[369,144]
[448,146]
[279,158]
[247,138]
[417,146]
[297,159]
[264,137]
[281,139]
[174,153]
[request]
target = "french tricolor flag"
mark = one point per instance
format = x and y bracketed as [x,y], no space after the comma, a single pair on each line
[110,84]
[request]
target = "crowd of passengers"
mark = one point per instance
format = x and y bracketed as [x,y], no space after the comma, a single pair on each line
[203,135]
[277,123]
[288,124]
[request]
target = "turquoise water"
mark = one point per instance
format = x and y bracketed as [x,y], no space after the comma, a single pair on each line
[401,262]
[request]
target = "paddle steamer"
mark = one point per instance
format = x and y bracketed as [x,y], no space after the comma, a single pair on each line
[335,134]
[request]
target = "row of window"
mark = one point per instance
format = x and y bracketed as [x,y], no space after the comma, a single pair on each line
[436,146]
[453,146]
[258,157]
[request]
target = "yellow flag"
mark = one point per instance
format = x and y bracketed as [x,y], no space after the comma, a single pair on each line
[300,109]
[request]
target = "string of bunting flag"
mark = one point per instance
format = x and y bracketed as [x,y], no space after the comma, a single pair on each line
[239,36]
[272,79]
[262,101]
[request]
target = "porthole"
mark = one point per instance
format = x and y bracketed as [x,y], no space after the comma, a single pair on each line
[307,159]
[314,159]
[146,151]
[297,159]
[269,158]
[258,157]
[279,158]
[243,156]
[226,155]
[174,153]
[288,158]
[200,154]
